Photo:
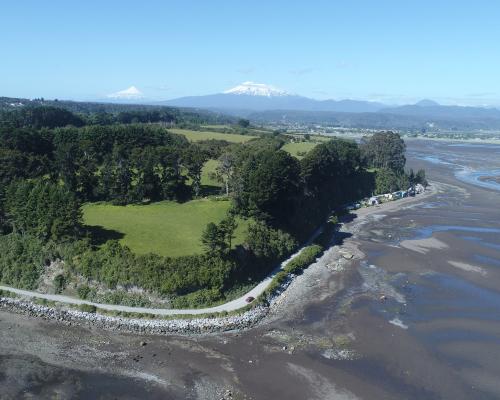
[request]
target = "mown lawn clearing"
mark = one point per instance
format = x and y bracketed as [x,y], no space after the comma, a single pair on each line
[299,149]
[196,136]
[206,174]
[166,228]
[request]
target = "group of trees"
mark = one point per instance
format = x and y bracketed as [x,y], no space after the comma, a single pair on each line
[40,113]
[118,163]
[40,117]
[385,152]
[267,185]
[43,209]
[217,238]
[270,185]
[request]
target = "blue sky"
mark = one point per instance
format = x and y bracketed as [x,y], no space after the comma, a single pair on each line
[392,51]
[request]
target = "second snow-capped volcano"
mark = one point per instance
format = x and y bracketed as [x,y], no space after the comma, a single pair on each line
[257,89]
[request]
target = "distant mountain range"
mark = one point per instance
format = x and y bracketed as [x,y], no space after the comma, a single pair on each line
[249,97]
[436,110]
[373,120]
[264,102]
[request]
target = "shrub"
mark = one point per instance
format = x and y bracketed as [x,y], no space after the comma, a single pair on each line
[198,299]
[6,293]
[299,263]
[124,298]
[278,279]
[83,292]
[59,283]
[89,308]
[304,259]
[266,242]
[114,264]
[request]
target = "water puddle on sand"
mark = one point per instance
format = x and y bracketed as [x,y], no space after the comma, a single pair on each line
[475,145]
[438,296]
[489,179]
[428,231]
[468,165]
[423,241]
[481,242]
[487,260]
[454,334]
[433,159]
[435,297]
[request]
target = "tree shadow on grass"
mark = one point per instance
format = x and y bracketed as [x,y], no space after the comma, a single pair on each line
[209,190]
[99,235]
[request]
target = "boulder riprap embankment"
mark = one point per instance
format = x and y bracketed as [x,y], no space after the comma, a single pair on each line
[137,325]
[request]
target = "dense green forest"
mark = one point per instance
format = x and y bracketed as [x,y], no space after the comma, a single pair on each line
[53,160]
[104,113]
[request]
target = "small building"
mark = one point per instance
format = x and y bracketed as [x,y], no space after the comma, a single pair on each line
[372,201]
[419,188]
[352,206]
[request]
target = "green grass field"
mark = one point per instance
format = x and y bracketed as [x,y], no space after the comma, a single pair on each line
[166,228]
[216,126]
[299,149]
[208,169]
[196,136]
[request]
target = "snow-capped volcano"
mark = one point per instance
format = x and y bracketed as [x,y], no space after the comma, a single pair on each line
[250,96]
[132,93]
[257,89]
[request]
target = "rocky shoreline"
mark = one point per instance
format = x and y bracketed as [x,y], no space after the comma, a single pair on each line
[187,326]
[136,325]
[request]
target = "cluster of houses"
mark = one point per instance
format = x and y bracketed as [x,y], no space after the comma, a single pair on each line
[400,194]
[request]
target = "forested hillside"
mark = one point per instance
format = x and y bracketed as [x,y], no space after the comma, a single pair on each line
[106,113]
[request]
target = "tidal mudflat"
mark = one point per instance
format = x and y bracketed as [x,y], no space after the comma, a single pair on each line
[405,306]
